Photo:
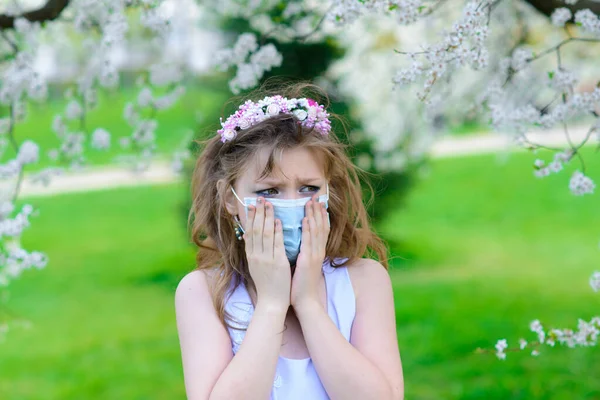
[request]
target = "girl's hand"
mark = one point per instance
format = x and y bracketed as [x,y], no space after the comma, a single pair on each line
[309,266]
[267,262]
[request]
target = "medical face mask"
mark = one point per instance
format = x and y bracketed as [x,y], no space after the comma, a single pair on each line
[290,213]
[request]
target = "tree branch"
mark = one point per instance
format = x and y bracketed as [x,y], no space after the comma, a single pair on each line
[49,11]
[546,7]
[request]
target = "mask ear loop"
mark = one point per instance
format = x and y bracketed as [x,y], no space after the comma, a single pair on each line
[236,218]
[236,196]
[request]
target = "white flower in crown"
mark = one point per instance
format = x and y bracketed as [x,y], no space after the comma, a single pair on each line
[312,112]
[273,109]
[300,114]
[228,134]
[244,123]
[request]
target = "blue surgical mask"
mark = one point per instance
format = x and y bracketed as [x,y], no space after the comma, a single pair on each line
[290,213]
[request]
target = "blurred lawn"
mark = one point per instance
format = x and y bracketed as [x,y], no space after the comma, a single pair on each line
[486,247]
[200,105]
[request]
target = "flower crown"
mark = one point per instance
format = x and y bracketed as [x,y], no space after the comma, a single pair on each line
[309,113]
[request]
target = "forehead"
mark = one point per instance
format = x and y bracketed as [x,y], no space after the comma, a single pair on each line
[295,164]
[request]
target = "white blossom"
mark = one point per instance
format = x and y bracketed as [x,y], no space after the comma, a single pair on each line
[73,110]
[100,139]
[108,76]
[563,80]
[145,97]
[501,345]
[520,58]
[588,20]
[245,78]
[266,58]
[166,101]
[581,184]
[164,74]
[560,16]
[522,343]
[536,327]
[29,152]
[595,281]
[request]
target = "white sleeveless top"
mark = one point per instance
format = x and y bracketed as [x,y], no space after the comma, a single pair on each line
[297,378]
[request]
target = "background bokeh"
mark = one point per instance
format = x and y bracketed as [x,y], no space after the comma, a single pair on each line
[479,246]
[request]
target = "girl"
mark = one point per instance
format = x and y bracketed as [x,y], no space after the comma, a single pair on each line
[282,304]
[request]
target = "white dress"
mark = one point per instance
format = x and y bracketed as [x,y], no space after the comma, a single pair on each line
[297,378]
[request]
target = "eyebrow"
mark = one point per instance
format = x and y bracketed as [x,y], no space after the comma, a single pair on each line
[273,181]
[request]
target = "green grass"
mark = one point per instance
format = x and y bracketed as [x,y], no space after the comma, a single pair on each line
[102,311]
[486,248]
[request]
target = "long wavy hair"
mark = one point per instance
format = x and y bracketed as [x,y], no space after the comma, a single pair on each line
[213,228]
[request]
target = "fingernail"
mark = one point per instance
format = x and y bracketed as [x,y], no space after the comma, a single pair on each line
[260,200]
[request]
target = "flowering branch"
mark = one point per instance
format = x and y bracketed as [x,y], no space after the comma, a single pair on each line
[49,11]
[547,7]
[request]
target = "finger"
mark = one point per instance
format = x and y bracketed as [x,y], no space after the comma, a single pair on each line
[278,247]
[269,230]
[305,244]
[318,218]
[258,226]
[326,227]
[312,226]
[248,237]
[326,224]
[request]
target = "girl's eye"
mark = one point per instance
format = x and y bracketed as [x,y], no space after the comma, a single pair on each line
[273,191]
[263,192]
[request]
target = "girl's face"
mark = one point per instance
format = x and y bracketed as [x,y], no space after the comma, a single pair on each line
[299,173]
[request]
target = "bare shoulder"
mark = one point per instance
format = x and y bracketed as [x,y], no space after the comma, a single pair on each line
[194,285]
[367,274]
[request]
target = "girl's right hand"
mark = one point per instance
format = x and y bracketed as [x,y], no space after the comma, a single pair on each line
[268,264]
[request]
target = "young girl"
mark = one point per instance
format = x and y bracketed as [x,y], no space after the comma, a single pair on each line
[282,304]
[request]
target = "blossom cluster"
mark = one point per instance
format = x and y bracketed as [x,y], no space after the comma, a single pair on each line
[143,135]
[585,335]
[251,61]
[405,12]
[309,113]
[463,44]
[13,259]
[560,16]
[589,21]
[579,183]
[595,281]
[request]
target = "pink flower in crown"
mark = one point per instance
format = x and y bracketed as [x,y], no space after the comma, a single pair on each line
[312,103]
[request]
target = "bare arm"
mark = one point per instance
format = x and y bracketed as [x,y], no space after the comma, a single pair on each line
[369,367]
[210,369]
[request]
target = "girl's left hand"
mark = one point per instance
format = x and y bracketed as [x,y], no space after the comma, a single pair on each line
[309,265]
